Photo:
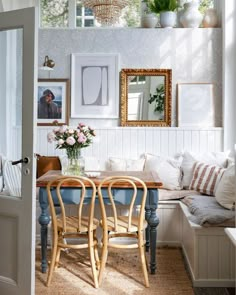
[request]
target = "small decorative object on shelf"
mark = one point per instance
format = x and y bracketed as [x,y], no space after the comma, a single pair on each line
[210,19]
[166,9]
[72,140]
[148,18]
[192,17]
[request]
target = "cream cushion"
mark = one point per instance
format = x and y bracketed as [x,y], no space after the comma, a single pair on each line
[225,191]
[118,164]
[189,158]
[167,168]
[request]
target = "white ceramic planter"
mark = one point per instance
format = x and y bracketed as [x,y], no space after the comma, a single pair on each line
[168,19]
[149,20]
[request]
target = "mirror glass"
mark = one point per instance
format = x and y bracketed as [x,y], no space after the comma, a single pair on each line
[145,97]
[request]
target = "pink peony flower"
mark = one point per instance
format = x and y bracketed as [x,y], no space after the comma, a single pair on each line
[51,137]
[71,131]
[82,138]
[70,140]
[63,129]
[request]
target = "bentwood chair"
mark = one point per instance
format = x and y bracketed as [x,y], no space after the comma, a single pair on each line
[128,229]
[73,232]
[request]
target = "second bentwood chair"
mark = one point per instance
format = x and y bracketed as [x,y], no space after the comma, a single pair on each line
[116,226]
[73,232]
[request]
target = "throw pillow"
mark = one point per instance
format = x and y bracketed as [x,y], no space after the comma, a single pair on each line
[46,163]
[189,158]
[168,170]
[225,191]
[205,178]
[12,178]
[118,164]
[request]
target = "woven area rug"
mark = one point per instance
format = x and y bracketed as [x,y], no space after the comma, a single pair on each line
[123,275]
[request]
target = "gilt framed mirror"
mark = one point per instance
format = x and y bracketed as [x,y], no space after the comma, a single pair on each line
[146,97]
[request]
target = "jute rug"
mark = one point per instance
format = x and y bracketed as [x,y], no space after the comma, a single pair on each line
[123,275]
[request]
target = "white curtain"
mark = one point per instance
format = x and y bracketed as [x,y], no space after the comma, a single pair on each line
[6,5]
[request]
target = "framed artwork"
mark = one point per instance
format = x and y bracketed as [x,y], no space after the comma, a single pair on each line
[94,85]
[195,105]
[53,100]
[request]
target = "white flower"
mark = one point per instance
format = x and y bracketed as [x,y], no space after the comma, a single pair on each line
[60,141]
[70,140]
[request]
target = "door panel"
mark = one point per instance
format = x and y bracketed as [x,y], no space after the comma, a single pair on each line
[18,76]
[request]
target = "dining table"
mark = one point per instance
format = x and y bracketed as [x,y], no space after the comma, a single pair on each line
[70,196]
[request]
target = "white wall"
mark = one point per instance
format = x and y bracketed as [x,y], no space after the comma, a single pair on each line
[194,55]
[229,73]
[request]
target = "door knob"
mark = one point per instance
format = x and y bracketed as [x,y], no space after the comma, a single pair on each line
[25,161]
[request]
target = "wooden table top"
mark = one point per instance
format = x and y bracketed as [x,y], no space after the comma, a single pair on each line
[150,178]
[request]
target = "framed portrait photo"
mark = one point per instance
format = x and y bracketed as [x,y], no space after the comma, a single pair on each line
[53,100]
[94,85]
[196,105]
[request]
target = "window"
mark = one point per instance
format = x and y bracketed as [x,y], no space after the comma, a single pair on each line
[84,16]
[54,13]
[60,13]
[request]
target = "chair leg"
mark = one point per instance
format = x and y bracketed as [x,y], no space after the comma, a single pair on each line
[143,261]
[103,259]
[58,254]
[52,264]
[93,263]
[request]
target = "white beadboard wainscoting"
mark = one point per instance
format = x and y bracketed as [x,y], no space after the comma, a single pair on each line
[132,142]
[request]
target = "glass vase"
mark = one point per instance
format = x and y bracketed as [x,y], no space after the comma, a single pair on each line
[74,163]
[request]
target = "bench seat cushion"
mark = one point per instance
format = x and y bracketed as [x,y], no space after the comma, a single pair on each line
[205,211]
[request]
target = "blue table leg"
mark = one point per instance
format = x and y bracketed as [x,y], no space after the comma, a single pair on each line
[43,221]
[153,221]
[147,231]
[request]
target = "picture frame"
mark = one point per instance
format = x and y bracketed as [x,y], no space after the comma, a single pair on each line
[58,89]
[195,104]
[95,85]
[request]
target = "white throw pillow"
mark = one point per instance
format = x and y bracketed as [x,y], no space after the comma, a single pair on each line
[12,178]
[168,170]
[118,164]
[225,191]
[189,158]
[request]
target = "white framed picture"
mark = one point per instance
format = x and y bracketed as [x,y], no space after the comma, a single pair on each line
[195,105]
[94,85]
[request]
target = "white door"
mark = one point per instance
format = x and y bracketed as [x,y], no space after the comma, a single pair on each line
[18,70]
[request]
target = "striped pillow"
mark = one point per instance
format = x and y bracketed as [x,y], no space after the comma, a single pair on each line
[205,178]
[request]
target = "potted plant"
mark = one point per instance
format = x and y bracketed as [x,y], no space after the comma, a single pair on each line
[166,9]
[148,18]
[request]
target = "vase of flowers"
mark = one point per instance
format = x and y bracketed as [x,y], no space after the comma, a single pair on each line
[72,140]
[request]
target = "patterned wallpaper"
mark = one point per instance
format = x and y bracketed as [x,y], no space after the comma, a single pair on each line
[194,55]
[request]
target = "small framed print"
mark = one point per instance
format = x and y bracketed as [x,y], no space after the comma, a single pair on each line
[196,105]
[94,85]
[53,100]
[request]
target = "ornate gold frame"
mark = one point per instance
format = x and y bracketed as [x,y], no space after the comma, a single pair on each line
[167,73]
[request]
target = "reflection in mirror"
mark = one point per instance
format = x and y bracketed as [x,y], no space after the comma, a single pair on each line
[145,97]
